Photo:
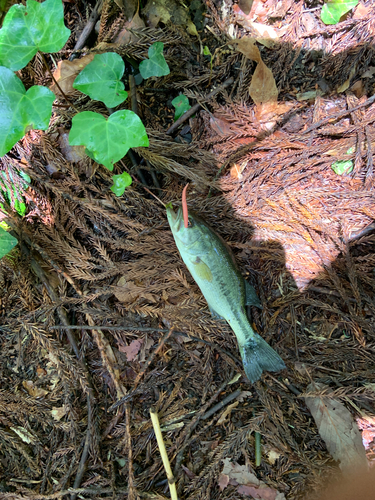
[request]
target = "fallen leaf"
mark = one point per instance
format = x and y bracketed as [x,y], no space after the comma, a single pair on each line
[369,73]
[223,481]
[35,392]
[227,413]
[66,73]
[264,493]
[59,413]
[247,482]
[337,429]
[72,154]
[245,6]
[307,96]
[263,86]
[273,456]
[164,11]
[125,36]
[128,7]
[346,84]
[361,11]
[308,21]
[239,473]
[220,126]
[244,395]
[25,435]
[259,12]
[358,89]
[131,350]
[247,47]
[265,31]
[41,372]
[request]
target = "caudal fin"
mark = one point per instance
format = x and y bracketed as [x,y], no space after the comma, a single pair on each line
[258,356]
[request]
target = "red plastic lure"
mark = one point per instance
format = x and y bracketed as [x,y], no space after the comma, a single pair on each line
[185,207]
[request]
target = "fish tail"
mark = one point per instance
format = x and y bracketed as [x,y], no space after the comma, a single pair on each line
[258,356]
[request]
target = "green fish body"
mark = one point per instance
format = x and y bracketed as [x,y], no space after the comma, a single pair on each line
[213,268]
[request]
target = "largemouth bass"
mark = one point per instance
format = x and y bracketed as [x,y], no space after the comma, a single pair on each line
[213,267]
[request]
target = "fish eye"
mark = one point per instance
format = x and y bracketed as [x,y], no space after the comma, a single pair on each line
[190,223]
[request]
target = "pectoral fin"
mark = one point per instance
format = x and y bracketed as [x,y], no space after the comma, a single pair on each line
[252,298]
[202,269]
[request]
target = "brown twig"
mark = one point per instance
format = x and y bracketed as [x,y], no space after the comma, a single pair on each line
[94,16]
[221,405]
[56,83]
[197,106]
[133,494]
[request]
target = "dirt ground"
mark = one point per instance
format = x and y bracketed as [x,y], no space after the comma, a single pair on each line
[100,320]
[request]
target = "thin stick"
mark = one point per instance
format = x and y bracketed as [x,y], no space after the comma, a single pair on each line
[132,489]
[163,453]
[55,82]
[87,29]
[221,405]
[196,107]
[149,192]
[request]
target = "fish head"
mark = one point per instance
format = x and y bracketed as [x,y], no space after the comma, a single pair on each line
[193,237]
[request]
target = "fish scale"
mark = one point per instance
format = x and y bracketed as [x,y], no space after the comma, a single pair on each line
[213,267]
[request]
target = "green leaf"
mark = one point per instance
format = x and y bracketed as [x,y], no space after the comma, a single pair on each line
[38,26]
[342,167]
[156,65]
[101,79]
[181,104]
[7,242]
[21,111]
[333,10]
[206,51]
[120,183]
[108,140]
[13,194]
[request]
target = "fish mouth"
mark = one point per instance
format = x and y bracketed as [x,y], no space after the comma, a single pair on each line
[175,219]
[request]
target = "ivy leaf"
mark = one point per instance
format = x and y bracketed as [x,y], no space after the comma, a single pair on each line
[38,26]
[21,111]
[181,104]
[101,79]
[333,10]
[156,65]
[7,242]
[108,140]
[342,167]
[120,183]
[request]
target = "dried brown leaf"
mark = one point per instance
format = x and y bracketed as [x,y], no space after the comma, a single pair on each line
[125,36]
[66,73]
[239,473]
[33,390]
[131,350]
[337,428]
[263,86]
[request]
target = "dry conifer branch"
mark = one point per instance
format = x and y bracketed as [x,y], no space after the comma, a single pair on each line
[151,358]
[163,453]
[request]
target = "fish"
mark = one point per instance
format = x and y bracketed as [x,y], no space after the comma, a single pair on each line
[213,267]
